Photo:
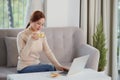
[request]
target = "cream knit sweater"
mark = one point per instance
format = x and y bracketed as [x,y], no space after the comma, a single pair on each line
[29,50]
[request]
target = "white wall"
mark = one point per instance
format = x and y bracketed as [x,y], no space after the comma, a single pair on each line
[62,13]
[73,14]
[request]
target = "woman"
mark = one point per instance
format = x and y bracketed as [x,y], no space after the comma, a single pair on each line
[30,43]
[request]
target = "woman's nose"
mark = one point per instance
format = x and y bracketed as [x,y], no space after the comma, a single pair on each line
[39,26]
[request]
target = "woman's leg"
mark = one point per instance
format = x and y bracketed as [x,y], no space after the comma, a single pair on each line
[38,68]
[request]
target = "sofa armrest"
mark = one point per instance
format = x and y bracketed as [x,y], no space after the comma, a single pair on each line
[93,60]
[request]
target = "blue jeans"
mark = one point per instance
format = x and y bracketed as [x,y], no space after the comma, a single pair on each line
[37,68]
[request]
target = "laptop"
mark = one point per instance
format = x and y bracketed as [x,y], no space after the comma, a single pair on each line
[77,66]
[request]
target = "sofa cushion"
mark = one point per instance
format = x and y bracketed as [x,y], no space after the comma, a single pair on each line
[12,52]
[67,64]
[3,55]
[61,42]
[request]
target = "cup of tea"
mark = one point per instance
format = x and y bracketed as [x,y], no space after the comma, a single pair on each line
[41,35]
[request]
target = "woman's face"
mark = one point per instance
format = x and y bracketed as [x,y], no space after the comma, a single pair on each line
[38,25]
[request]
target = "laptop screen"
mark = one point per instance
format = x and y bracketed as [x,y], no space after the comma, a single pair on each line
[77,65]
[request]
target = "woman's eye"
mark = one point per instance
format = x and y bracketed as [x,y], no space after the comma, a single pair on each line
[40,24]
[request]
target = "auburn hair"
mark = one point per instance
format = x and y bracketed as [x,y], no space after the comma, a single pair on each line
[35,17]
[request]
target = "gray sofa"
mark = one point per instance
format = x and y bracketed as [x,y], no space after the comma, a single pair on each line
[65,42]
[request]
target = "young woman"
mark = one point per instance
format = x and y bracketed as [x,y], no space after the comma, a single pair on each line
[30,43]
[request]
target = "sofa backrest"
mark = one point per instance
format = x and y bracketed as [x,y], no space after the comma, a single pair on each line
[63,41]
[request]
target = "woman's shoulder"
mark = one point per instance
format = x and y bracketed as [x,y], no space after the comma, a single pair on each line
[21,33]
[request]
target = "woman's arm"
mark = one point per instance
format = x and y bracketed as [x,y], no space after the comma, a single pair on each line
[23,47]
[49,53]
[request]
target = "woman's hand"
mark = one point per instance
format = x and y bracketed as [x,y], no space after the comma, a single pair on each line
[62,68]
[35,36]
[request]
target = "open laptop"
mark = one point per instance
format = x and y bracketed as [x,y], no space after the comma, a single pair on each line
[77,66]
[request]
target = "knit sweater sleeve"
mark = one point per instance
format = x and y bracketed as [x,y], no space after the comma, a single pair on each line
[23,46]
[49,53]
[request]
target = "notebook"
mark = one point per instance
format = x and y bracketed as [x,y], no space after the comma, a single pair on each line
[77,66]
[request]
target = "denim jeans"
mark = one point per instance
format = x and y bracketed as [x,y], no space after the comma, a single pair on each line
[37,68]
